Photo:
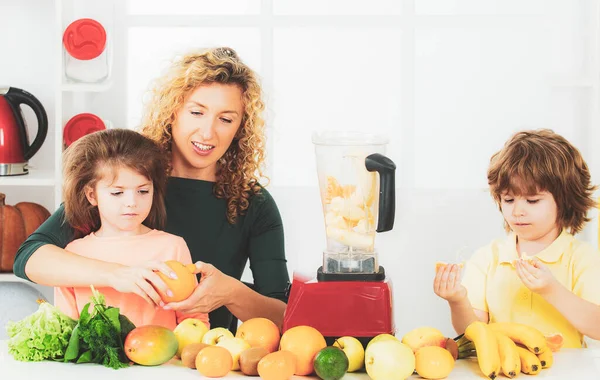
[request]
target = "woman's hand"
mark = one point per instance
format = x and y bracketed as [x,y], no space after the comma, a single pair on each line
[447,283]
[213,291]
[535,275]
[142,280]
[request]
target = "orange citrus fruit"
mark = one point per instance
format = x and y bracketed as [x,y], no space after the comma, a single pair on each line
[183,286]
[214,361]
[260,332]
[304,342]
[555,341]
[279,365]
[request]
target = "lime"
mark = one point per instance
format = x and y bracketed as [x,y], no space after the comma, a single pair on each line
[331,363]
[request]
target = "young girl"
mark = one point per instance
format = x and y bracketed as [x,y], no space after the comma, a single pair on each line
[540,275]
[114,187]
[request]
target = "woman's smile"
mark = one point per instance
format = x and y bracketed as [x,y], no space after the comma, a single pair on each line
[202,149]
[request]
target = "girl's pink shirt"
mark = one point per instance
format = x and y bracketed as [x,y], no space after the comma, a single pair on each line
[132,251]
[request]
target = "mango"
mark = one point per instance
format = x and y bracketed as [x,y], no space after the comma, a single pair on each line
[150,345]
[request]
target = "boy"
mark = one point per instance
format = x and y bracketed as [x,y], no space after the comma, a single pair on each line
[540,275]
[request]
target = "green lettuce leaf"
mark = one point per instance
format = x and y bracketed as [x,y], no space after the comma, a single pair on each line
[42,335]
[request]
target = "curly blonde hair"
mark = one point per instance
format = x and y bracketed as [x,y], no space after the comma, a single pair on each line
[240,168]
[541,160]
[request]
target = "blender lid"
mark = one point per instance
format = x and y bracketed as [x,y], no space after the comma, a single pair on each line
[348,138]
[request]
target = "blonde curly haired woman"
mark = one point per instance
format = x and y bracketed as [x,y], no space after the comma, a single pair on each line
[206,113]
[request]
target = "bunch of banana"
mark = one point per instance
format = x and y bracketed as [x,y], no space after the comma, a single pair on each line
[505,348]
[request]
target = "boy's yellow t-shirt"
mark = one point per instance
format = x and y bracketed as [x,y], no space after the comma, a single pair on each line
[493,284]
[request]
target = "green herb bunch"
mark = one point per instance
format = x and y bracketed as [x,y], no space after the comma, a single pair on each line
[99,335]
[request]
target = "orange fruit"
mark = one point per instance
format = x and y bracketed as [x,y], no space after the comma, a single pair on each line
[555,341]
[304,342]
[440,264]
[260,332]
[278,365]
[214,361]
[183,286]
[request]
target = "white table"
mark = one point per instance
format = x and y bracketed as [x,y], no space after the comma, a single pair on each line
[576,364]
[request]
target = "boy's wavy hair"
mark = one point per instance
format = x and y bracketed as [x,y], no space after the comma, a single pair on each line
[541,160]
[93,156]
[240,168]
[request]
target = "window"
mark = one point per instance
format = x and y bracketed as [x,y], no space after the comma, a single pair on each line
[193,7]
[447,81]
[151,50]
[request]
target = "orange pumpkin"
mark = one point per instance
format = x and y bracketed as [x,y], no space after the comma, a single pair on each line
[16,224]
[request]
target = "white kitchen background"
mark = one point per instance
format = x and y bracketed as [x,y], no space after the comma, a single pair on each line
[447,80]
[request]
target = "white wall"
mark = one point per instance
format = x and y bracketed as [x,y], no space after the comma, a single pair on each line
[434,219]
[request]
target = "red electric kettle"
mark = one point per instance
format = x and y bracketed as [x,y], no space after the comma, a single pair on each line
[15,150]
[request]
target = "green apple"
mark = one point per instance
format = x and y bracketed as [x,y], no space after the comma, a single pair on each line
[353,350]
[382,337]
[235,346]
[189,331]
[389,360]
[213,336]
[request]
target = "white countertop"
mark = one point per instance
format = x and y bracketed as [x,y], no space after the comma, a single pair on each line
[577,364]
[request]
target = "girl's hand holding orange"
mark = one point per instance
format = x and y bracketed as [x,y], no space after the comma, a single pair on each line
[181,286]
[142,280]
[212,292]
[447,283]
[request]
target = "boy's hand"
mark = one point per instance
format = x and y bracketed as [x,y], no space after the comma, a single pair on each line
[447,283]
[535,275]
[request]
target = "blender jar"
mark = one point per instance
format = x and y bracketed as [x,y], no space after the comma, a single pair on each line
[356,182]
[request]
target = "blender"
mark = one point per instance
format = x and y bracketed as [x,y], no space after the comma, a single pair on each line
[351,295]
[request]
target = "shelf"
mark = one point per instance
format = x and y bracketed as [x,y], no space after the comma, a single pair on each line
[34,178]
[10,277]
[42,291]
[86,87]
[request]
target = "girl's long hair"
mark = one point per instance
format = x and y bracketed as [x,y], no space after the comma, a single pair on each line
[88,159]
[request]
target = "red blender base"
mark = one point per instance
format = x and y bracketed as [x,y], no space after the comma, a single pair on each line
[362,309]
